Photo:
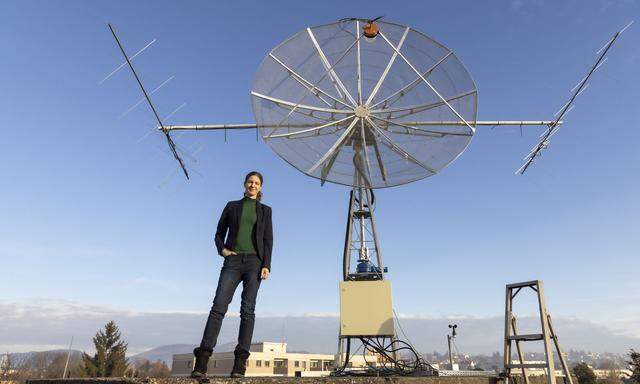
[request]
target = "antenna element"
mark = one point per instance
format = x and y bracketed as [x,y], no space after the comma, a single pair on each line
[543,143]
[172,145]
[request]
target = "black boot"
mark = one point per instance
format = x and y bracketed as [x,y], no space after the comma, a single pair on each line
[240,362]
[200,367]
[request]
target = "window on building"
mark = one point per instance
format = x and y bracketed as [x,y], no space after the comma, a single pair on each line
[296,364]
[304,365]
[267,363]
[215,363]
[258,363]
[315,363]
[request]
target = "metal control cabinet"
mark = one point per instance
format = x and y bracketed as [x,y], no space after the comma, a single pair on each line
[366,309]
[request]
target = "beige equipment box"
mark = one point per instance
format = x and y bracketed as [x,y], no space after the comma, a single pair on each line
[366,309]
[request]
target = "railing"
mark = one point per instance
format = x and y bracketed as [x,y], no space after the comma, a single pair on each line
[448,372]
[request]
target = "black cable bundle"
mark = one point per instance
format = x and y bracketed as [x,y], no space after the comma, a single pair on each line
[415,364]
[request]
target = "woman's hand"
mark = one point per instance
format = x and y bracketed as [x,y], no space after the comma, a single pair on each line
[264,273]
[226,252]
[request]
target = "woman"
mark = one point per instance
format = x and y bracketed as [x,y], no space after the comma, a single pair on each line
[247,259]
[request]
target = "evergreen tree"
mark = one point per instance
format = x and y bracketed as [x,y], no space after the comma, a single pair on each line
[635,366]
[584,374]
[109,359]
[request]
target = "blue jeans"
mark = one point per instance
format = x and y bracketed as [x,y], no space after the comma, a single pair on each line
[236,268]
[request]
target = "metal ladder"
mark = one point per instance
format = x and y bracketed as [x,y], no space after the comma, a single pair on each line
[511,335]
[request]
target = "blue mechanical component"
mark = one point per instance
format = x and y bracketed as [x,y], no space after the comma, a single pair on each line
[377,269]
[365,266]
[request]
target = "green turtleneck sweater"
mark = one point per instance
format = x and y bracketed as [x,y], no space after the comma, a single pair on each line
[244,241]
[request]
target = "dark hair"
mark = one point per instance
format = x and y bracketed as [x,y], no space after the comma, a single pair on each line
[255,173]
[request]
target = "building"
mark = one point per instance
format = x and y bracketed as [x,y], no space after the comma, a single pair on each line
[607,373]
[538,371]
[267,359]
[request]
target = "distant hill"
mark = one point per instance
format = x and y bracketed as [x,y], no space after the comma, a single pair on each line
[165,352]
[23,356]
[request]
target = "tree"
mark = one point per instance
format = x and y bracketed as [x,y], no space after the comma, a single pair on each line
[145,368]
[55,368]
[6,365]
[635,366]
[109,359]
[13,367]
[584,374]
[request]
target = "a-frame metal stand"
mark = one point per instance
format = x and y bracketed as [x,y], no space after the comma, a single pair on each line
[511,335]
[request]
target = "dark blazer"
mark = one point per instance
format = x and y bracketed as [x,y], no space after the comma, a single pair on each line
[262,232]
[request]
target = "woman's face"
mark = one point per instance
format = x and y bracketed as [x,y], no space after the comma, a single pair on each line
[252,186]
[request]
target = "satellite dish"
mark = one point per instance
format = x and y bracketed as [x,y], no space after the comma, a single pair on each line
[369,107]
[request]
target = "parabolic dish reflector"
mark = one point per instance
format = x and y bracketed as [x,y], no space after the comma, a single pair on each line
[365,112]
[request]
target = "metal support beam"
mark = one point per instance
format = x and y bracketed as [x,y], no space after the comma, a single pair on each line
[519,350]
[484,123]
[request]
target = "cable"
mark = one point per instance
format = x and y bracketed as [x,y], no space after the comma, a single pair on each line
[371,205]
[395,365]
[341,371]
[401,329]
[346,359]
[391,364]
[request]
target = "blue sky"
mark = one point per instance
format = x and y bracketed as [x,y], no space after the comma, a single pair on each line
[84,218]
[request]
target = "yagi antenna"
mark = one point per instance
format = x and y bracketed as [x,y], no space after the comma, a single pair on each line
[172,145]
[582,85]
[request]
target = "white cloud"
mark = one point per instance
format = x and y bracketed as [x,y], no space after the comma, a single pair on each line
[319,314]
[626,326]
[40,324]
